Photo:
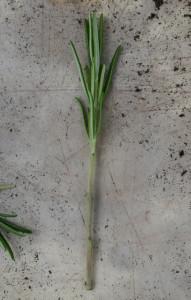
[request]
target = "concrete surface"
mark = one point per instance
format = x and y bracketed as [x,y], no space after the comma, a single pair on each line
[143,216]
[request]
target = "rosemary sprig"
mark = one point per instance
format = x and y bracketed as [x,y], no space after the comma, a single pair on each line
[96,80]
[9,227]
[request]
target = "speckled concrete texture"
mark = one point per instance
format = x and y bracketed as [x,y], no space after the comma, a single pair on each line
[143,216]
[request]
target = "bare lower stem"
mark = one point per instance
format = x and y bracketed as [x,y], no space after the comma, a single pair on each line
[89,221]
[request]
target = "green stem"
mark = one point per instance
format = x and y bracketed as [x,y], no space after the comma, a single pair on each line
[6,186]
[89,220]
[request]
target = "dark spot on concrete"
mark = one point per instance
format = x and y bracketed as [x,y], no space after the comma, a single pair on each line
[50,272]
[176,68]
[36,257]
[115,14]
[151,257]
[28,19]
[187,15]
[123,115]
[137,37]
[181,115]
[137,89]
[106,226]
[184,172]
[79,21]
[179,85]
[181,153]
[158,3]
[11,130]
[140,73]
[152,16]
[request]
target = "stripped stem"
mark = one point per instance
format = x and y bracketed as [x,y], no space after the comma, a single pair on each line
[89,220]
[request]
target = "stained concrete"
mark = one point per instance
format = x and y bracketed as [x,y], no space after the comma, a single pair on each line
[143,216]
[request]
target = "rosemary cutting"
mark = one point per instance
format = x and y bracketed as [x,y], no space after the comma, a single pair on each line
[8,226]
[96,81]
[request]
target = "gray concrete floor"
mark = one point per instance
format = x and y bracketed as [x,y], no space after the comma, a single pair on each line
[143,216]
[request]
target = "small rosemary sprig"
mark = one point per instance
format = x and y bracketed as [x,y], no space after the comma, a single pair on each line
[8,226]
[96,80]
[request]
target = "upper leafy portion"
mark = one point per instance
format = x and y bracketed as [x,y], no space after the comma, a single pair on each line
[95,77]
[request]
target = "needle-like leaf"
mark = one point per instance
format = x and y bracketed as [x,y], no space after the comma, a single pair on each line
[90,38]
[13,215]
[80,70]
[84,114]
[96,45]
[101,82]
[87,76]
[93,80]
[5,245]
[112,69]
[14,228]
[101,34]
[86,26]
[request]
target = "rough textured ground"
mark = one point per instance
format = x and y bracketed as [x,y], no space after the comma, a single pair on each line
[143,216]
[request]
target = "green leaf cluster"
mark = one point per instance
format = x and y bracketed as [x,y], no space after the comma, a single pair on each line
[95,77]
[9,226]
